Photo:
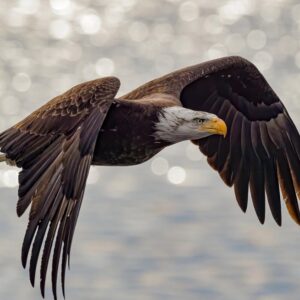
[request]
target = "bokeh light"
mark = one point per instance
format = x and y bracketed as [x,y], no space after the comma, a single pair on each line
[90,23]
[21,82]
[159,166]
[29,6]
[256,39]
[188,11]
[235,43]
[138,31]
[263,60]
[60,5]
[104,66]
[232,10]
[9,178]
[60,29]
[10,106]
[212,24]
[176,175]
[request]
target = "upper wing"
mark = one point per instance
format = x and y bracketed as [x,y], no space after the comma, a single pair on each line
[262,148]
[54,147]
[173,83]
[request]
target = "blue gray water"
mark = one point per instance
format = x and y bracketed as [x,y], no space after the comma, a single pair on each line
[167,229]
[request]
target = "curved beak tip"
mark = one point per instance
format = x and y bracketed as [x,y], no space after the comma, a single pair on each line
[221,128]
[217,126]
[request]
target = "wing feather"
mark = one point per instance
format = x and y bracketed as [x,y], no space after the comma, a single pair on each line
[262,147]
[257,187]
[241,185]
[272,189]
[54,147]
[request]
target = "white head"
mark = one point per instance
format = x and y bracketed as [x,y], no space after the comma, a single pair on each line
[176,124]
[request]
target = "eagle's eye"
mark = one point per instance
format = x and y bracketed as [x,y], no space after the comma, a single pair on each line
[199,120]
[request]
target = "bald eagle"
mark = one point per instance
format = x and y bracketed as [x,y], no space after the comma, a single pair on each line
[224,106]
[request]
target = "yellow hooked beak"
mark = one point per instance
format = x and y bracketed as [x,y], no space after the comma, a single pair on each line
[215,126]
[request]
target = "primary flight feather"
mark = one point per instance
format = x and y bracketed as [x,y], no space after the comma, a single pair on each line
[225,106]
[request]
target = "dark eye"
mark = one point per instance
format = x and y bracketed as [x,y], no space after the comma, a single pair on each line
[199,120]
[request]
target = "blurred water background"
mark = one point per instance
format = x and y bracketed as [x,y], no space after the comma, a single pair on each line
[167,229]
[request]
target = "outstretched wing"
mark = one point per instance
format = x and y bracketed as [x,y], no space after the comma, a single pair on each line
[262,148]
[54,147]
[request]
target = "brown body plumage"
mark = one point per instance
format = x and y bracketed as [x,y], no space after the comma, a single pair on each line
[56,145]
[126,135]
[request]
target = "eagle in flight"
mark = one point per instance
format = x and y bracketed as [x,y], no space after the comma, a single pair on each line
[224,106]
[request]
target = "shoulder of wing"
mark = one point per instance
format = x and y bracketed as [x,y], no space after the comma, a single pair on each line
[68,109]
[82,96]
[173,83]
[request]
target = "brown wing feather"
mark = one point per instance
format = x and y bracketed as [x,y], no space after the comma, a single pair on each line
[54,147]
[176,81]
[262,147]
